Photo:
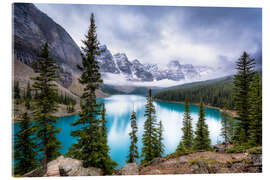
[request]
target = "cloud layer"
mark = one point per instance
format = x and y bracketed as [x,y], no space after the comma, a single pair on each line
[156,34]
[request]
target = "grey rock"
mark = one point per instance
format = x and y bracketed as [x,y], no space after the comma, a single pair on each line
[256,159]
[200,167]
[123,63]
[130,169]
[34,173]
[106,61]
[183,160]
[174,71]
[222,147]
[140,71]
[70,167]
[156,161]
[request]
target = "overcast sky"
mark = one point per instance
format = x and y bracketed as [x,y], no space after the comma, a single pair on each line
[193,35]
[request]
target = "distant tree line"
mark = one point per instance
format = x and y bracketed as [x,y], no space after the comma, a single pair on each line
[211,93]
[67,100]
[27,95]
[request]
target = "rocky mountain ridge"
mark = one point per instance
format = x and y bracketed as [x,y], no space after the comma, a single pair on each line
[32,28]
[137,71]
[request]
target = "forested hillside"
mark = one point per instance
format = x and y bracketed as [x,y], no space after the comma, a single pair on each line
[212,92]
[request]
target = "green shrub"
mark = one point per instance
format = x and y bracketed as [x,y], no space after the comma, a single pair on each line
[237,149]
[255,150]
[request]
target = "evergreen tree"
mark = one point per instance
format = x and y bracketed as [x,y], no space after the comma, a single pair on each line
[90,146]
[160,145]
[28,96]
[241,81]
[255,116]
[17,92]
[25,154]
[45,105]
[212,92]
[202,140]
[181,149]
[149,138]
[27,104]
[133,148]
[103,124]
[107,163]
[225,118]
[24,94]
[187,138]
[228,124]
[28,91]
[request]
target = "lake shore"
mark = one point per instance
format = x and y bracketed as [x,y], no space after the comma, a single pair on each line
[232,113]
[62,111]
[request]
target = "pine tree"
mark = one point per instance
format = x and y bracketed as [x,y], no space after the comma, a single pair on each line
[255,116]
[149,138]
[28,96]
[181,149]
[107,163]
[45,105]
[187,138]
[28,91]
[89,147]
[227,126]
[160,145]
[202,140]
[133,148]
[25,154]
[24,94]
[103,124]
[241,81]
[27,104]
[17,92]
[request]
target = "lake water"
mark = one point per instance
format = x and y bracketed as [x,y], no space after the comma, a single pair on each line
[118,111]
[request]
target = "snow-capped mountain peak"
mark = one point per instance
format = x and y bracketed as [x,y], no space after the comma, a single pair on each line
[135,71]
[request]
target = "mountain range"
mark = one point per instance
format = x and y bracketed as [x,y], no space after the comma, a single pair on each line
[32,28]
[134,70]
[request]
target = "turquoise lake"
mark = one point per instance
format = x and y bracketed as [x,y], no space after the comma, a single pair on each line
[118,111]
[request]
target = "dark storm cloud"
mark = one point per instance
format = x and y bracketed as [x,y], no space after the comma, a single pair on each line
[197,35]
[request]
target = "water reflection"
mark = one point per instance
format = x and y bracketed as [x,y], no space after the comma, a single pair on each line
[119,108]
[118,111]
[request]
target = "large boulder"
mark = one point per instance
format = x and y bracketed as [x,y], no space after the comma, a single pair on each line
[156,161]
[183,159]
[70,167]
[222,147]
[34,173]
[200,167]
[130,169]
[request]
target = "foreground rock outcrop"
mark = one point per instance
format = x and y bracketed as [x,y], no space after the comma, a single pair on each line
[66,167]
[206,163]
[129,169]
